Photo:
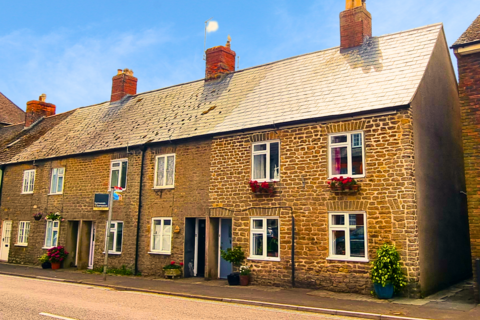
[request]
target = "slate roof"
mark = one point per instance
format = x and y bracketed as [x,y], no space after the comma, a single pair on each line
[471,35]
[385,72]
[10,113]
[15,138]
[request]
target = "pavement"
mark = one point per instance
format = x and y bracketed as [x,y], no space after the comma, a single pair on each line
[447,304]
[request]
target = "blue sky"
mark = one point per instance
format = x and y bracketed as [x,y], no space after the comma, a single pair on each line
[71,50]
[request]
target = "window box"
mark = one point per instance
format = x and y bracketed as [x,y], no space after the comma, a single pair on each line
[262,188]
[344,185]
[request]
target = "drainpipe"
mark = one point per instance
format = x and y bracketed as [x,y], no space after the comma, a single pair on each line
[293,249]
[142,148]
[1,183]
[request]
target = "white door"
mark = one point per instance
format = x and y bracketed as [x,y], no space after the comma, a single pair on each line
[92,247]
[6,233]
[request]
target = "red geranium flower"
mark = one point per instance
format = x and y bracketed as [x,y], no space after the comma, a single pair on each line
[172,263]
[181,264]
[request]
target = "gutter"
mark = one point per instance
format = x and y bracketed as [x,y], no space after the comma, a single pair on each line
[140,188]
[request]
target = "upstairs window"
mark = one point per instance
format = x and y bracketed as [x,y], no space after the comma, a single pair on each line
[347,155]
[165,171]
[118,173]
[28,181]
[56,186]
[23,231]
[266,161]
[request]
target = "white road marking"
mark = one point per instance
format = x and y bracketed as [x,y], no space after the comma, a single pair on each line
[55,316]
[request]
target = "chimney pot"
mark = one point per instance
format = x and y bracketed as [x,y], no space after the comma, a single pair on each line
[220,61]
[124,83]
[355,24]
[37,109]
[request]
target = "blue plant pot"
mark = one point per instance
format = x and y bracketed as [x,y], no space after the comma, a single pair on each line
[383,292]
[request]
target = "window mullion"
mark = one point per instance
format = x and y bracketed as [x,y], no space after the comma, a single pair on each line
[347,236]
[349,155]
[165,174]
[267,163]
[161,235]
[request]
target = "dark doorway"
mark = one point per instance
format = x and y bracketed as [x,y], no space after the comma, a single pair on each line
[189,258]
[72,244]
[201,228]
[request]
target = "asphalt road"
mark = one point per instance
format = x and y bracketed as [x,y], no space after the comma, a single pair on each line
[22,298]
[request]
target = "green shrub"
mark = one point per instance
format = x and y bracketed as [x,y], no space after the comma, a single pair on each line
[386,268]
[235,256]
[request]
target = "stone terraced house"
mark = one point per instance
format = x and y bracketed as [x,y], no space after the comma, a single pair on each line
[9,112]
[383,110]
[467,51]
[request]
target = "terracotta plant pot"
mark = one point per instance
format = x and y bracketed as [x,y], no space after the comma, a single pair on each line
[244,280]
[55,265]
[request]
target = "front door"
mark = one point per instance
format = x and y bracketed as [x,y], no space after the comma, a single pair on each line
[92,246]
[200,251]
[5,246]
[225,240]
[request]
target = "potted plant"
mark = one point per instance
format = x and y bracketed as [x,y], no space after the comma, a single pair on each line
[45,261]
[37,216]
[54,216]
[235,256]
[173,270]
[386,273]
[245,275]
[56,255]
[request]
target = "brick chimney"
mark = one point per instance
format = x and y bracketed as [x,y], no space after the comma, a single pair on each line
[122,84]
[220,61]
[355,24]
[37,109]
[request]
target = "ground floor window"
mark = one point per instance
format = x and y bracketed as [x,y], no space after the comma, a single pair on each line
[116,237]
[51,236]
[23,231]
[264,238]
[161,239]
[347,235]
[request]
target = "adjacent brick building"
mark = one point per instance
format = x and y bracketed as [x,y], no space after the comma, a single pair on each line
[383,110]
[467,51]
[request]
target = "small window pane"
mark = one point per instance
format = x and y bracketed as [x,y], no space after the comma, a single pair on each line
[258,224]
[259,166]
[60,171]
[170,170]
[167,232]
[339,160]
[157,225]
[27,232]
[119,237]
[258,244]
[338,220]
[60,184]
[115,177]
[357,241]
[54,181]
[54,238]
[338,242]
[167,222]
[260,147]
[123,182]
[48,242]
[274,161]
[110,240]
[272,238]
[356,140]
[160,171]
[339,139]
[357,161]
[116,165]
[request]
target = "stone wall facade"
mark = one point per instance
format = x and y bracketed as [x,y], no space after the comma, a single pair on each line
[469,93]
[387,196]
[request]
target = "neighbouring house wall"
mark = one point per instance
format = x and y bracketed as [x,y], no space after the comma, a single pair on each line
[85,175]
[442,211]
[469,93]
[387,196]
[189,199]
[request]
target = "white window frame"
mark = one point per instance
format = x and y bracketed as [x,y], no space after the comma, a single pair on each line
[119,174]
[267,153]
[26,178]
[349,154]
[23,232]
[161,236]
[345,228]
[57,228]
[155,182]
[263,231]
[115,235]
[58,176]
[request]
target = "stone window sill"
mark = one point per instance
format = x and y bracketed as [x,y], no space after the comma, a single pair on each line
[113,253]
[160,253]
[21,244]
[348,259]
[277,259]
[163,188]
[55,194]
